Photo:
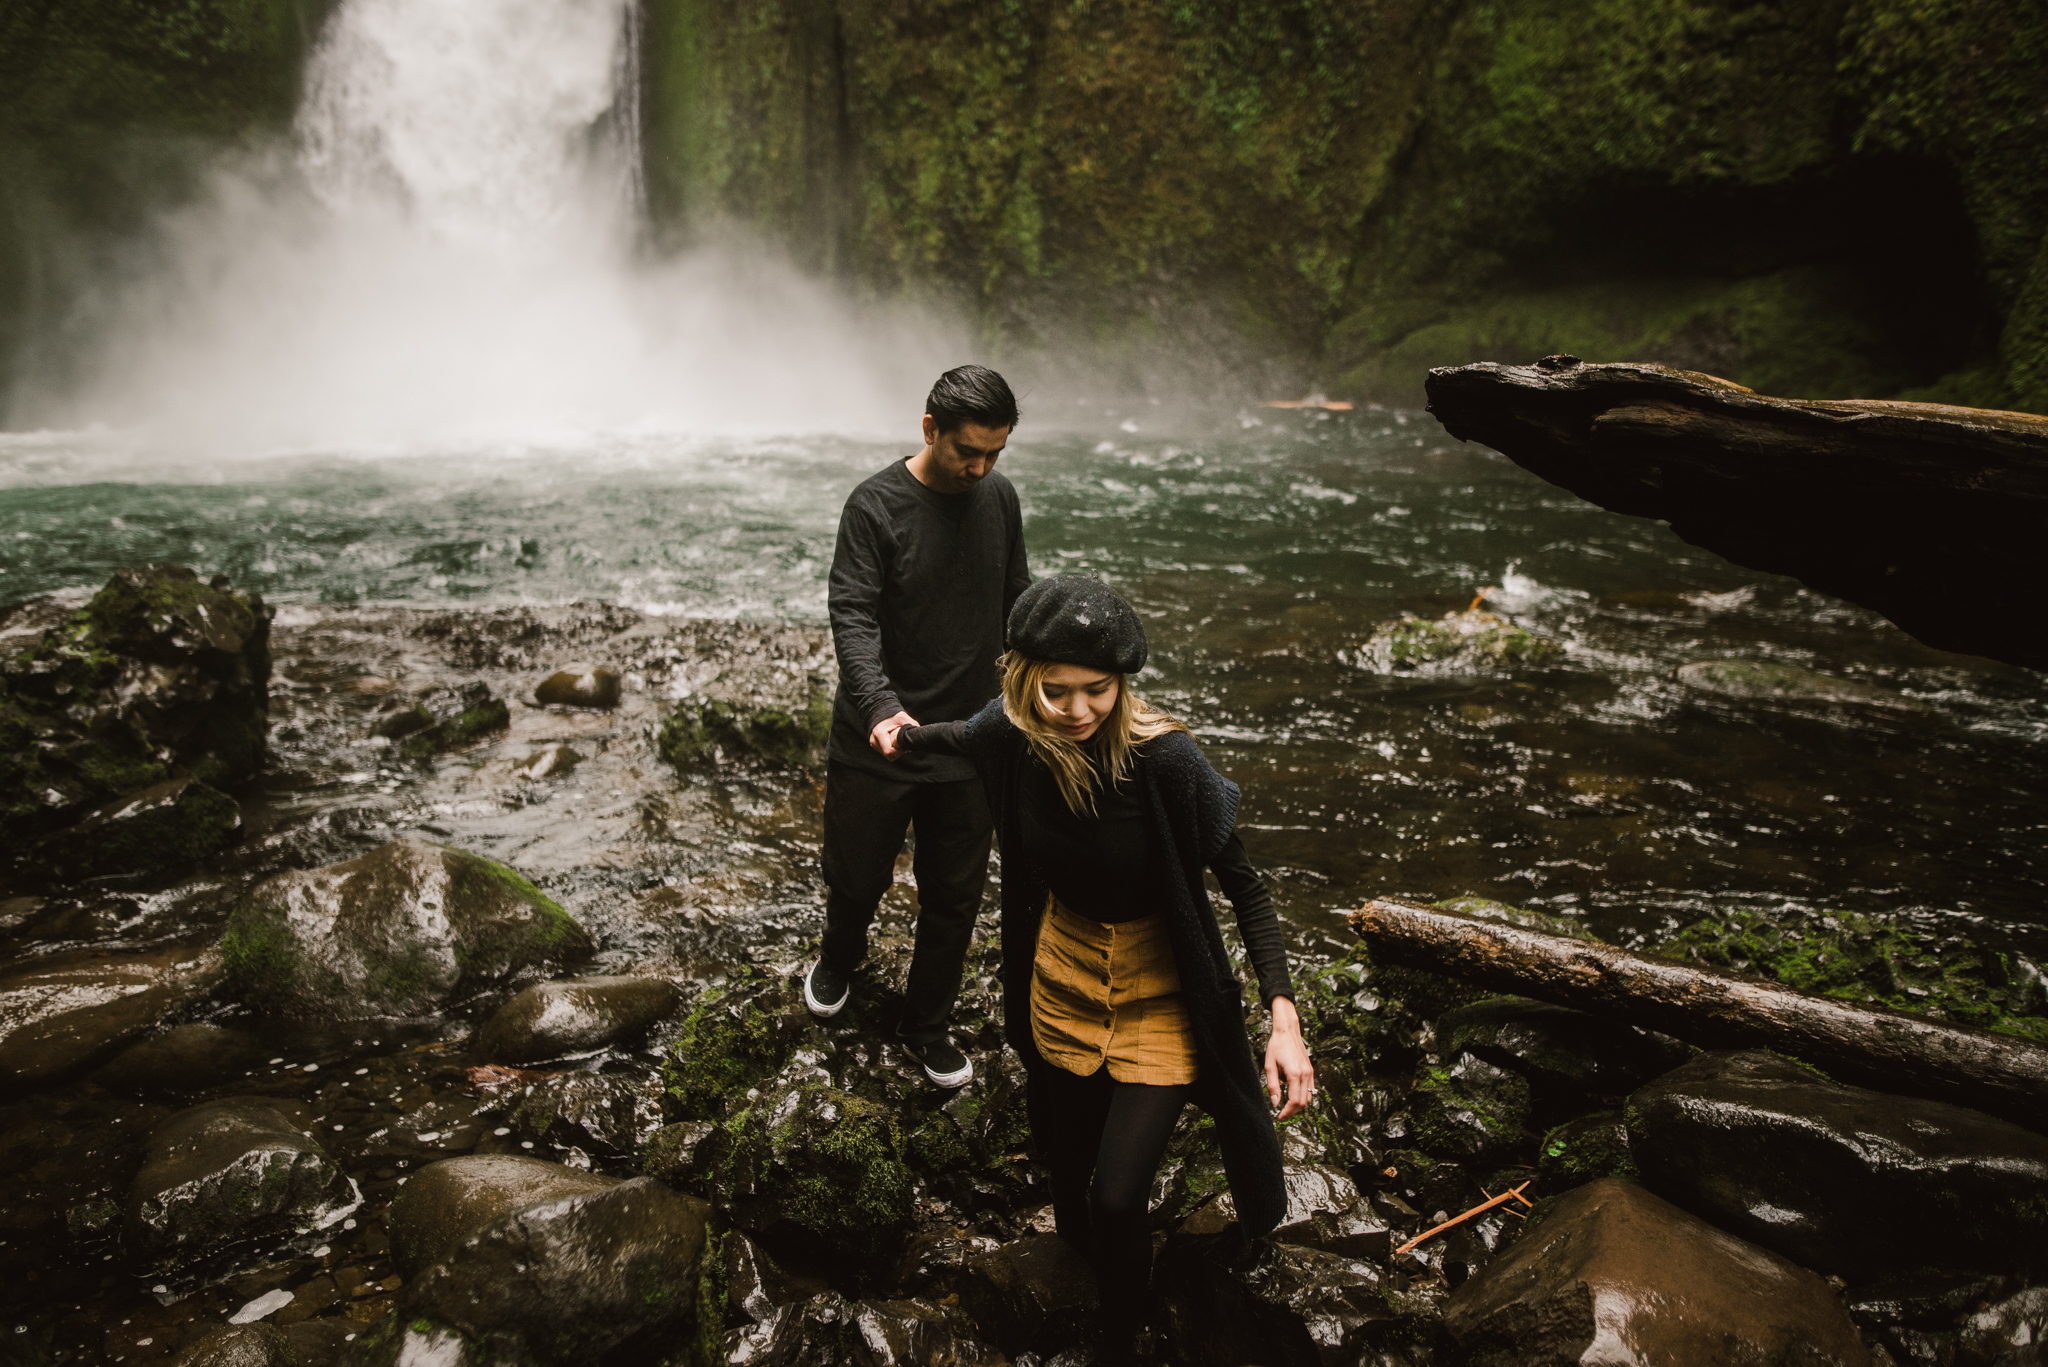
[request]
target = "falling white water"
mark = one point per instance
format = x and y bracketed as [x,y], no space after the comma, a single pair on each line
[451,256]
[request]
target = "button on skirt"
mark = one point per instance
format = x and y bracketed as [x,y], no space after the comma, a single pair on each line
[1110,994]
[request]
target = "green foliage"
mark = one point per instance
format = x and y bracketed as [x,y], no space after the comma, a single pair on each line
[1883,962]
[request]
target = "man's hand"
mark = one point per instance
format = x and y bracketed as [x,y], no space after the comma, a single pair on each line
[1287,1059]
[883,737]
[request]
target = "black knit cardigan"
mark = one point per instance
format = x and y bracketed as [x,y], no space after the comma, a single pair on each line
[1192,812]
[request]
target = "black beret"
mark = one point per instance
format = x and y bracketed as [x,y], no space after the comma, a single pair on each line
[1072,620]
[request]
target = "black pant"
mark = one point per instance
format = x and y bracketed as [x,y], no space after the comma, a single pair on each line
[1114,1133]
[865,817]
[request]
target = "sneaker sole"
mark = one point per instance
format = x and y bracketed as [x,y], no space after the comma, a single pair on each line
[819,1008]
[959,1079]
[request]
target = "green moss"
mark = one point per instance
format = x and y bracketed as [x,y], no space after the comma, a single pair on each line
[1584,1150]
[844,1180]
[729,1043]
[1469,640]
[1470,1110]
[476,720]
[702,731]
[1891,962]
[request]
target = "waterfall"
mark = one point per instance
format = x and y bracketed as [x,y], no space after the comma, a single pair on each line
[449,252]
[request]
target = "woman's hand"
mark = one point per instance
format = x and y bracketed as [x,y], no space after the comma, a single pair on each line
[1287,1058]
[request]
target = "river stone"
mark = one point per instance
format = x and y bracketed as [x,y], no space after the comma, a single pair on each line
[819,1165]
[1470,642]
[241,1345]
[1614,1274]
[164,826]
[1281,1305]
[784,731]
[562,1282]
[185,1058]
[1038,1294]
[1821,1172]
[1579,1151]
[1997,1335]
[226,1172]
[579,686]
[63,1012]
[1775,685]
[444,1203]
[608,1112]
[1558,1048]
[397,932]
[548,1020]
[1324,1210]
[829,1329]
[1469,1110]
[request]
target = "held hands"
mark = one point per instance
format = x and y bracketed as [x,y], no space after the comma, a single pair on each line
[1287,1058]
[883,737]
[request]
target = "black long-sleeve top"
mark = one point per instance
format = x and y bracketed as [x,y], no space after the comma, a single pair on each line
[1108,867]
[921,585]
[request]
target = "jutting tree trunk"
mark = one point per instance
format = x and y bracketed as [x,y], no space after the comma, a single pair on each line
[1931,515]
[1886,1050]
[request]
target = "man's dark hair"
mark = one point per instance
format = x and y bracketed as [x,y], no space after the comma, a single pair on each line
[971,393]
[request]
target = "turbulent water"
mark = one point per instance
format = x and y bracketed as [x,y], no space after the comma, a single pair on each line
[1263,549]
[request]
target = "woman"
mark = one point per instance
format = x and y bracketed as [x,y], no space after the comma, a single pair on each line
[1117,990]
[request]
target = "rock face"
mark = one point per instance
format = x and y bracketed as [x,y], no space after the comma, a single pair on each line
[394,933]
[160,677]
[580,686]
[1821,1172]
[227,1172]
[1908,509]
[1613,1274]
[1787,686]
[1468,642]
[64,1012]
[549,1020]
[558,1280]
[445,1202]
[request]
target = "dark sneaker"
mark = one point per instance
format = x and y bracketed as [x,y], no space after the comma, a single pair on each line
[942,1063]
[826,989]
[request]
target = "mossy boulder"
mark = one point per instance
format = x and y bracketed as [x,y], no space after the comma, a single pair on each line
[162,827]
[832,1165]
[1897,961]
[1470,642]
[398,932]
[714,730]
[1764,684]
[161,676]
[1469,1110]
[734,1039]
[1584,1150]
[442,719]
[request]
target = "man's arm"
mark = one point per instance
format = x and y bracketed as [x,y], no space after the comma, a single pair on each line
[1017,574]
[853,600]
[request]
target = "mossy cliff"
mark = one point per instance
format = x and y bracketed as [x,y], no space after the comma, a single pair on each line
[1823,198]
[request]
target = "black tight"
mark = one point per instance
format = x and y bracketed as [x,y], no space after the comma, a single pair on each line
[1116,1133]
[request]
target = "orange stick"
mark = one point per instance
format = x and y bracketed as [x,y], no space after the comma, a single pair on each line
[1515,1195]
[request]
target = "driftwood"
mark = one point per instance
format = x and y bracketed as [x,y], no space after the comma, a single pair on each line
[1888,1051]
[1928,514]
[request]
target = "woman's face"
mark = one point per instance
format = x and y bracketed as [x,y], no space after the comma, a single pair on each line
[1074,700]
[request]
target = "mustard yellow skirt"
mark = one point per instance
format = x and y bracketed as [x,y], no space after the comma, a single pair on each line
[1110,994]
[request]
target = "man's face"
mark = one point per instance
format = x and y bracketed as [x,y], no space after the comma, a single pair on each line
[962,457]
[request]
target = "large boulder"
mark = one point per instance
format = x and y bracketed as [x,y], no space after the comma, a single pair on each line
[563,1281]
[240,1345]
[397,932]
[1820,1172]
[164,826]
[444,1203]
[1614,1274]
[222,1174]
[1469,1109]
[548,1020]
[160,676]
[809,1163]
[63,1012]
[592,686]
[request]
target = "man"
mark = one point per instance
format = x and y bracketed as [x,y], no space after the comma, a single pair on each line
[929,560]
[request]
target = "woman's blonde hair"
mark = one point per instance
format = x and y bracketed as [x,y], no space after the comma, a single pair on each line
[1130,723]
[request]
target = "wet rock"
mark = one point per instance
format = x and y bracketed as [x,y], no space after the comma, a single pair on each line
[241,1345]
[1614,1273]
[1557,1048]
[1279,1305]
[323,1342]
[1787,686]
[1324,1211]
[934,1259]
[684,1154]
[1820,1171]
[1926,1298]
[1038,1293]
[445,1202]
[603,1112]
[548,763]
[63,1012]
[730,1042]
[562,1282]
[448,1124]
[829,1329]
[443,719]
[783,730]
[161,676]
[810,1163]
[164,826]
[395,933]
[1583,1150]
[549,1020]
[183,1060]
[228,1172]
[579,686]
[1469,1110]
[2000,1334]
[1469,642]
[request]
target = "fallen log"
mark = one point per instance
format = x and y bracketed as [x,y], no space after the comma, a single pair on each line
[1923,512]
[1874,1047]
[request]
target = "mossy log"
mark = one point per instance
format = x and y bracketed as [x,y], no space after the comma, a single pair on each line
[1890,1051]
[1929,514]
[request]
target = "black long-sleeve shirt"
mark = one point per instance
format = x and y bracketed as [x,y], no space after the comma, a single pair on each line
[1108,867]
[922,583]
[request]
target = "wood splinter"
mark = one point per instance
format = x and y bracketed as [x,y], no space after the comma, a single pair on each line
[1515,1195]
